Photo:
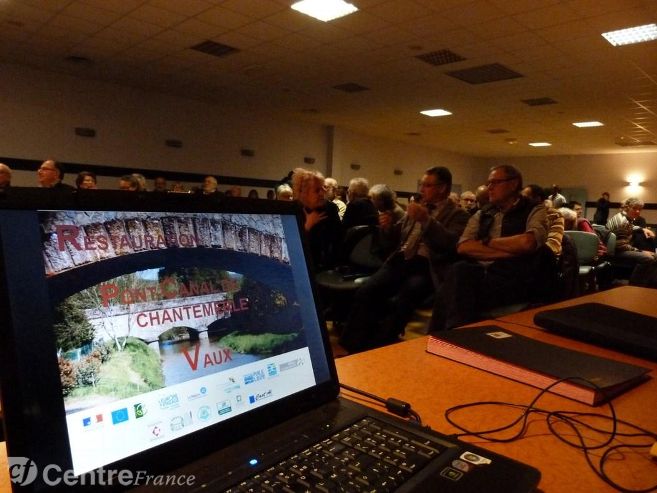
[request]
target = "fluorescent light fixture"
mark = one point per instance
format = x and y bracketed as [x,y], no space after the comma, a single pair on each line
[540,144]
[324,10]
[436,112]
[631,35]
[588,124]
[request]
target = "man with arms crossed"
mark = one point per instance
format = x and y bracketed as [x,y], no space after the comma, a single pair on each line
[501,244]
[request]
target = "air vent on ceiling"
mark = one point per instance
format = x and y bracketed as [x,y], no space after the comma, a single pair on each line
[484,73]
[351,87]
[440,57]
[79,60]
[213,48]
[498,131]
[413,134]
[631,142]
[538,101]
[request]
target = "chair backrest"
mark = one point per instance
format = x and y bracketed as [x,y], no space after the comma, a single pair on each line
[586,244]
[611,244]
[363,253]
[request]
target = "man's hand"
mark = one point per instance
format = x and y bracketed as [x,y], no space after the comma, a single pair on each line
[417,212]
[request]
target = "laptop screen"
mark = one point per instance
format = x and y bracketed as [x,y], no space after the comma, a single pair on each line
[161,319]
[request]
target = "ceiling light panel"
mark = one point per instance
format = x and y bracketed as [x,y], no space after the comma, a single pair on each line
[540,144]
[436,112]
[588,124]
[324,10]
[631,35]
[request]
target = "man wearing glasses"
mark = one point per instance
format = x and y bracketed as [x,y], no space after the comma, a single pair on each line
[502,246]
[422,243]
[50,175]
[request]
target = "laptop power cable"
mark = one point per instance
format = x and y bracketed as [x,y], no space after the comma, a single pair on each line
[395,406]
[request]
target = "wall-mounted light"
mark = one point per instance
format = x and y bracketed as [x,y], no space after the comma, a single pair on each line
[309,160]
[398,171]
[634,181]
[247,152]
[354,166]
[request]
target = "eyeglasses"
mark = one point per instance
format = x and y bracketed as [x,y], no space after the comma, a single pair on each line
[43,168]
[497,181]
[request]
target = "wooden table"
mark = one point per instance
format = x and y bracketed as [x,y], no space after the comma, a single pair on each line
[432,384]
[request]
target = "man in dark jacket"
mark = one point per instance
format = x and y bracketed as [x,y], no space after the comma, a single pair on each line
[422,243]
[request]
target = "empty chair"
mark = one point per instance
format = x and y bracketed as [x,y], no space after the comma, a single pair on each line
[587,255]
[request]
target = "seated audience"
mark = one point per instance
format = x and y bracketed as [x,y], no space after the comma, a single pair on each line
[501,244]
[482,197]
[322,223]
[210,186]
[129,183]
[643,237]
[160,184]
[645,270]
[384,200]
[235,191]
[5,176]
[253,194]
[360,209]
[271,195]
[556,221]
[141,179]
[284,192]
[332,189]
[422,244]
[86,180]
[469,202]
[456,198]
[50,175]
[583,224]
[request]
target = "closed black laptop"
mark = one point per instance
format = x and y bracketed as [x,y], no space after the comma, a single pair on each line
[171,343]
[604,325]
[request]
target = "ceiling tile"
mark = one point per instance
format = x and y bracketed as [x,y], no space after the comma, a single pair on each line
[400,10]
[256,9]
[186,7]
[223,17]
[196,27]
[263,31]
[156,16]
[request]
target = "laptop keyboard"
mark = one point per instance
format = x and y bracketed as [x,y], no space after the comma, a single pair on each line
[368,456]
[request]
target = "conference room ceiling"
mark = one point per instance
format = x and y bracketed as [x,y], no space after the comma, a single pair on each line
[375,70]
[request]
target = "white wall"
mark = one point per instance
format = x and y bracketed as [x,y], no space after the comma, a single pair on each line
[40,111]
[378,158]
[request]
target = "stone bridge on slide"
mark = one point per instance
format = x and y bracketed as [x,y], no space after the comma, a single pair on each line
[76,239]
[147,321]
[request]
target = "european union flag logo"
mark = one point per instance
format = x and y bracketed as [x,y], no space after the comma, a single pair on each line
[120,415]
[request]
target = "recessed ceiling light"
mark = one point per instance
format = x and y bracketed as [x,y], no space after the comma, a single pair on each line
[588,124]
[324,10]
[540,144]
[638,34]
[436,112]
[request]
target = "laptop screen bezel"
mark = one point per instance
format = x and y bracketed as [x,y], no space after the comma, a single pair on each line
[34,417]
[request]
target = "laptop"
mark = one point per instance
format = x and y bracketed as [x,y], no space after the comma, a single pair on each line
[170,342]
[604,325]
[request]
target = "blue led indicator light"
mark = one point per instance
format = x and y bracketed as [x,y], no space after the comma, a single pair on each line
[253,462]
